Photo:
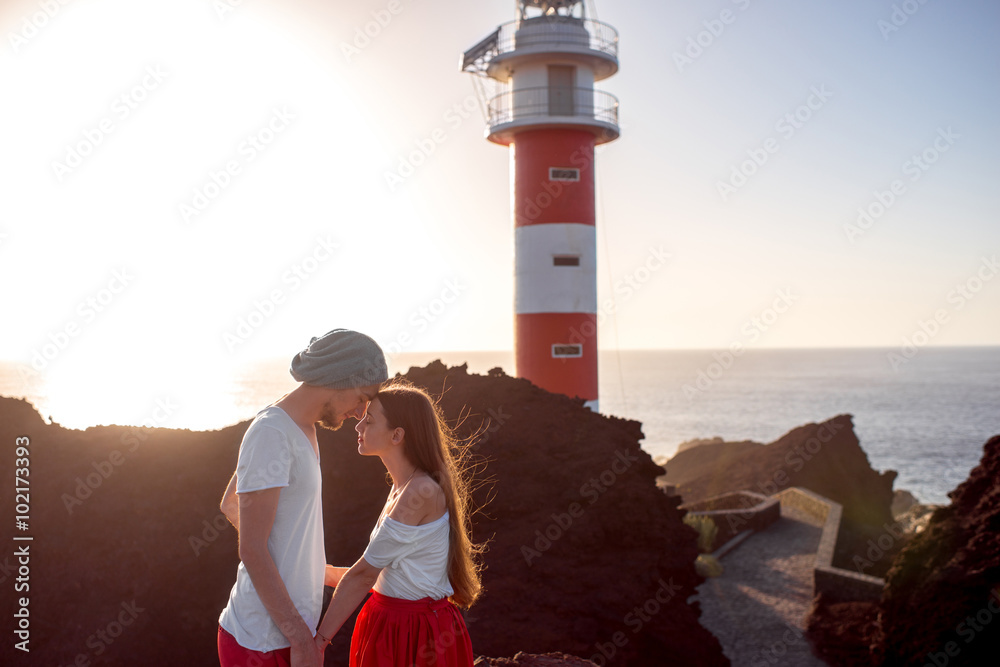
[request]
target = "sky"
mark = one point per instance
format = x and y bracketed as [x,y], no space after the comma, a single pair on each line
[187,188]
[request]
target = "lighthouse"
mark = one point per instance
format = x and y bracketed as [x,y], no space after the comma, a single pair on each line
[536,75]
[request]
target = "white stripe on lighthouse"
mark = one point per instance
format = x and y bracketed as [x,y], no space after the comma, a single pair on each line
[543,284]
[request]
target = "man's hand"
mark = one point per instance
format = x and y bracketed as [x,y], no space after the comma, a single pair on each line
[306,654]
[321,645]
[350,593]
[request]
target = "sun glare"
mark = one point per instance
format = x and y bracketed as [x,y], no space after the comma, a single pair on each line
[198,183]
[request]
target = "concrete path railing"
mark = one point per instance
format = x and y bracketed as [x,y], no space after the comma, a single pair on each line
[835,582]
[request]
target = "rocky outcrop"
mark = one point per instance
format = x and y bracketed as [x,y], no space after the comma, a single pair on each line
[902,500]
[942,597]
[843,633]
[941,602]
[586,557]
[825,458]
[529,660]
[688,466]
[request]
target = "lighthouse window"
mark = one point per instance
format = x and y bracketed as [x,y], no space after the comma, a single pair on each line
[566,260]
[566,351]
[563,174]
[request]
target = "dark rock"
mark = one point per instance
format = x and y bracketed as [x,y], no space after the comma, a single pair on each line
[902,500]
[945,584]
[941,603]
[716,440]
[842,633]
[689,465]
[530,660]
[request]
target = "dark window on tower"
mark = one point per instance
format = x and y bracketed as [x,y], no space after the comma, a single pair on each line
[566,260]
[566,351]
[563,174]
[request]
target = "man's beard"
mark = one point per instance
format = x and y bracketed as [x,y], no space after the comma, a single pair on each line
[328,423]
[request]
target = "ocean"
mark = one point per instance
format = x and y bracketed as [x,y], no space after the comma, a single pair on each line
[927,417]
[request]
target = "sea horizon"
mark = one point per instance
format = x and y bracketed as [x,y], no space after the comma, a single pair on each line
[927,417]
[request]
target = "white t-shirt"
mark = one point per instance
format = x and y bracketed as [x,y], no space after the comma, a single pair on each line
[414,559]
[276,453]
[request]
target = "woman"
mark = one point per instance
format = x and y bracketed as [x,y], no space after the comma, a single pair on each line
[420,562]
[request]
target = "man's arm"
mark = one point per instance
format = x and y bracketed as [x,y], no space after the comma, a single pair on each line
[256,517]
[230,506]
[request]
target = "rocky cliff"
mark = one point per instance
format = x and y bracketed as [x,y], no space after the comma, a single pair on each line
[941,602]
[942,599]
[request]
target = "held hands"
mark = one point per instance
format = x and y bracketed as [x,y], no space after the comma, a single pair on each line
[308,653]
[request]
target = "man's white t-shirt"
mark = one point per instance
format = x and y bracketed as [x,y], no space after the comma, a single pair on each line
[276,453]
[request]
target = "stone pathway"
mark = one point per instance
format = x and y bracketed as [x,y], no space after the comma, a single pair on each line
[757,608]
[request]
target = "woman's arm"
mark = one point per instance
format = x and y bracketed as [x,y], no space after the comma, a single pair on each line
[230,505]
[350,592]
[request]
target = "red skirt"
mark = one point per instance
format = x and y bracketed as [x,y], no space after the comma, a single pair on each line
[410,633]
[231,654]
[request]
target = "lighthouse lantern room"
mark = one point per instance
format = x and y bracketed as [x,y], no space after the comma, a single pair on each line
[536,76]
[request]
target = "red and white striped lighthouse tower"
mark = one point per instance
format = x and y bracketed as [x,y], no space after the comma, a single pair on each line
[541,70]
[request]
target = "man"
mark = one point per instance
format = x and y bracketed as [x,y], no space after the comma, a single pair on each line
[274,500]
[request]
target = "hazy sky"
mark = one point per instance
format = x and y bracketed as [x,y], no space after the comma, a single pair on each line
[192,185]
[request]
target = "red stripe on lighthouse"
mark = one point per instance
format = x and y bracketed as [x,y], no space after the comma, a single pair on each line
[534,336]
[537,199]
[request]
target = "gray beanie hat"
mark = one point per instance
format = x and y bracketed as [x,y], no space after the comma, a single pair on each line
[340,359]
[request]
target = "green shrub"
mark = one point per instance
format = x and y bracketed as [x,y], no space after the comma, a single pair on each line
[707,530]
[708,566]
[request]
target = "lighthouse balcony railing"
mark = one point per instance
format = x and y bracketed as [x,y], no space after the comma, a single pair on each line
[557,31]
[571,104]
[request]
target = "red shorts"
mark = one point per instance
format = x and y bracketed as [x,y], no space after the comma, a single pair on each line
[410,633]
[231,654]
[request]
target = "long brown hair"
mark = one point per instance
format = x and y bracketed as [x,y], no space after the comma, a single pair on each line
[431,446]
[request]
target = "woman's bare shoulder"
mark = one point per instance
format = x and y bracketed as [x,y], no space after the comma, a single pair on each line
[422,501]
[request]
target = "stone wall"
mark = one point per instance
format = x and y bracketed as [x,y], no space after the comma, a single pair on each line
[836,583]
[738,512]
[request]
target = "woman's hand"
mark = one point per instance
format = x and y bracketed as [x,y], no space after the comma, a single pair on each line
[333,575]
[230,505]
